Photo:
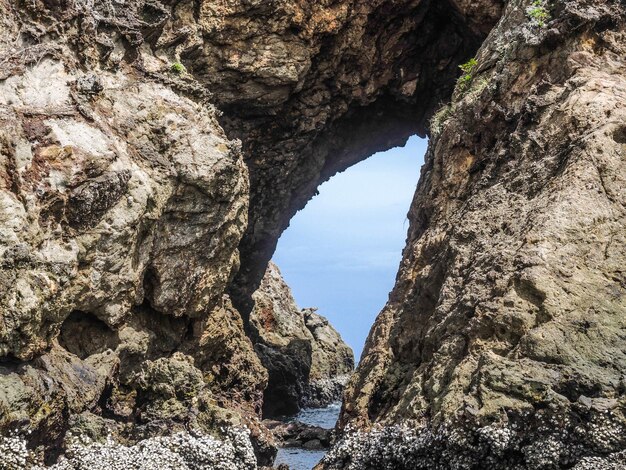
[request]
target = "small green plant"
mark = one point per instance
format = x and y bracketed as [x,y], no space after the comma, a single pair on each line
[178,68]
[440,118]
[468,73]
[539,13]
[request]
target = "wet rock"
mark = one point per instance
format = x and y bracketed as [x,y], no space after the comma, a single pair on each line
[298,434]
[322,392]
[40,395]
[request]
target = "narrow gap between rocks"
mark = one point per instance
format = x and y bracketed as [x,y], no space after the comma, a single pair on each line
[340,254]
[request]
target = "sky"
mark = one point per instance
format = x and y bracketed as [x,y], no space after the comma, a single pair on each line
[342,251]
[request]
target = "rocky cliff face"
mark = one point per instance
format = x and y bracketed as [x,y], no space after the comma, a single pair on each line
[503,340]
[307,361]
[315,87]
[137,220]
[122,204]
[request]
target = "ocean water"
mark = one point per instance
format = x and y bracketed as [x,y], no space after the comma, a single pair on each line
[302,459]
[322,417]
[299,459]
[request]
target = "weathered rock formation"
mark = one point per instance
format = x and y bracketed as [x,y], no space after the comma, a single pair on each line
[503,340]
[315,87]
[122,204]
[136,220]
[300,435]
[306,359]
[179,451]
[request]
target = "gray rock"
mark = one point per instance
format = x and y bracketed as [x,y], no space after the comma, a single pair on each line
[306,359]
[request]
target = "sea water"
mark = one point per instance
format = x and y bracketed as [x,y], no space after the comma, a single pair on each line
[302,459]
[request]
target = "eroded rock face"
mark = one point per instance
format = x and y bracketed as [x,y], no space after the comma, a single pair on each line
[97,209]
[125,211]
[306,359]
[122,205]
[506,324]
[361,76]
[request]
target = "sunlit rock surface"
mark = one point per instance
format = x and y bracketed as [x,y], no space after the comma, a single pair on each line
[306,359]
[509,310]
[122,205]
[151,153]
[101,196]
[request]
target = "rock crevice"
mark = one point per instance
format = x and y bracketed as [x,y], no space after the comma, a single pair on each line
[307,361]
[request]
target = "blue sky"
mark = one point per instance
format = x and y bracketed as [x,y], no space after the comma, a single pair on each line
[342,251]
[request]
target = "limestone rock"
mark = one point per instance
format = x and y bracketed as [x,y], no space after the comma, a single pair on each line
[306,358]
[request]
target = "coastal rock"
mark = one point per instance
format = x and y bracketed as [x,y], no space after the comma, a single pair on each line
[306,359]
[301,435]
[89,204]
[122,205]
[137,221]
[180,451]
[320,86]
[506,323]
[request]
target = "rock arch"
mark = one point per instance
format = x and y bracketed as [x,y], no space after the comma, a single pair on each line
[508,307]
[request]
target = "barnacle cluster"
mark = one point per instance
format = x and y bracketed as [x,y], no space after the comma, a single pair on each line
[545,442]
[13,453]
[181,451]
[616,461]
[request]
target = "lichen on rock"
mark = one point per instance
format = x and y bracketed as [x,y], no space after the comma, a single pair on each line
[137,221]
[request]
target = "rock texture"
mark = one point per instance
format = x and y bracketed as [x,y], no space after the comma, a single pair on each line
[314,87]
[300,435]
[180,451]
[306,359]
[503,340]
[137,220]
[102,194]
[122,204]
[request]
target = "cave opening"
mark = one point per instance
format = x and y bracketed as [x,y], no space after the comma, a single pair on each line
[84,335]
[341,252]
